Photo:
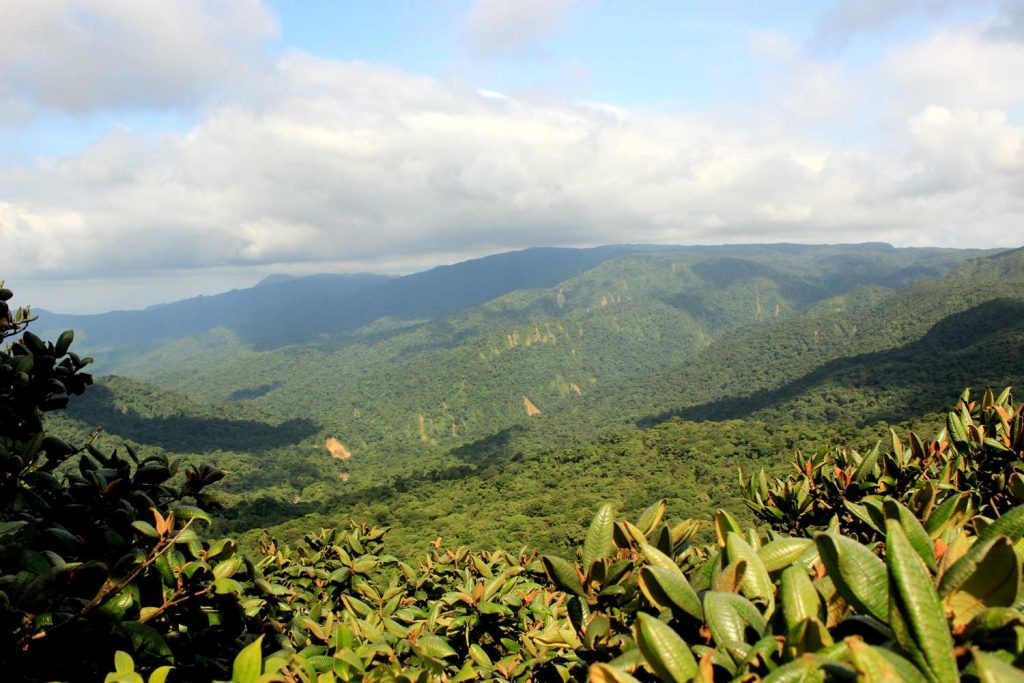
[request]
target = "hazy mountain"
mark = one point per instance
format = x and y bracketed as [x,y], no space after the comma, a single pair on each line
[285,310]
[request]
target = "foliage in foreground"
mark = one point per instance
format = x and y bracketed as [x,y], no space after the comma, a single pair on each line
[900,564]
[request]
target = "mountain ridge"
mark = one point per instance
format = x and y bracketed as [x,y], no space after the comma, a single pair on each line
[647,357]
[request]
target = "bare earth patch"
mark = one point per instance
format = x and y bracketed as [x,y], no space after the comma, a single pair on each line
[337,449]
[531,409]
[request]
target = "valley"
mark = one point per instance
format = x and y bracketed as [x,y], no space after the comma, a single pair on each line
[493,402]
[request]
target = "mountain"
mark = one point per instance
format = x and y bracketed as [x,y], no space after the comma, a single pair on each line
[258,311]
[616,356]
[284,310]
[652,376]
[416,378]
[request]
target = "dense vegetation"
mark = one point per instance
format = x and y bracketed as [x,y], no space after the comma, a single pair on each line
[894,562]
[793,346]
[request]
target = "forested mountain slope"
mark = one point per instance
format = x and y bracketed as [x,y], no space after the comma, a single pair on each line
[897,561]
[399,421]
[288,310]
[626,317]
[271,307]
[919,324]
[960,331]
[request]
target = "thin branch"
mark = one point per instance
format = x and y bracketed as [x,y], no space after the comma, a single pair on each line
[111,587]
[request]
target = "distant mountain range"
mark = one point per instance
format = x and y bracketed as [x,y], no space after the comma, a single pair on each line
[455,373]
[284,310]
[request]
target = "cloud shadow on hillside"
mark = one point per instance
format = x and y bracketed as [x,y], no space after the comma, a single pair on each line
[186,433]
[492,450]
[979,347]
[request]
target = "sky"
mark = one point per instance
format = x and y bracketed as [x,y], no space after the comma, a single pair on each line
[151,150]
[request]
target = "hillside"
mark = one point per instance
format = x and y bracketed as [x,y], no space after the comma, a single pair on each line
[791,345]
[942,317]
[283,310]
[950,506]
[421,387]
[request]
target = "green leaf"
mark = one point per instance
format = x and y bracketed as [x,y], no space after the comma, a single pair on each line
[807,669]
[782,552]
[433,646]
[664,587]
[598,543]
[146,639]
[321,663]
[348,658]
[630,660]
[650,517]
[867,465]
[130,677]
[602,673]
[226,586]
[1016,486]
[1010,524]
[991,581]
[859,576]
[466,673]
[187,512]
[808,636]
[160,674]
[659,559]
[479,656]
[664,650]
[7,528]
[563,574]
[916,533]
[757,585]
[64,342]
[701,579]
[145,528]
[800,600]
[165,569]
[955,428]
[36,345]
[229,567]
[916,614]
[728,615]
[123,662]
[992,669]
[724,523]
[948,512]
[248,664]
[878,665]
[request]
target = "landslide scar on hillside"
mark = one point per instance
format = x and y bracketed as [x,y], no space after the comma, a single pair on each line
[337,449]
[531,409]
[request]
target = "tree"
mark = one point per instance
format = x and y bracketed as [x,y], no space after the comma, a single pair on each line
[90,543]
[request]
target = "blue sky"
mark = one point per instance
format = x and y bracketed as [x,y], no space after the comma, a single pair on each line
[153,150]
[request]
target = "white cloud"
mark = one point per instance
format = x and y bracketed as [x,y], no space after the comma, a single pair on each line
[86,55]
[968,148]
[847,18]
[356,163]
[959,67]
[1011,20]
[325,164]
[773,45]
[512,26]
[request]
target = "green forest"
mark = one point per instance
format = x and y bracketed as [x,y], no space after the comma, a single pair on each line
[772,462]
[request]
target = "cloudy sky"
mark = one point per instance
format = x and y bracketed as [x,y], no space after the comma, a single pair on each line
[151,150]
